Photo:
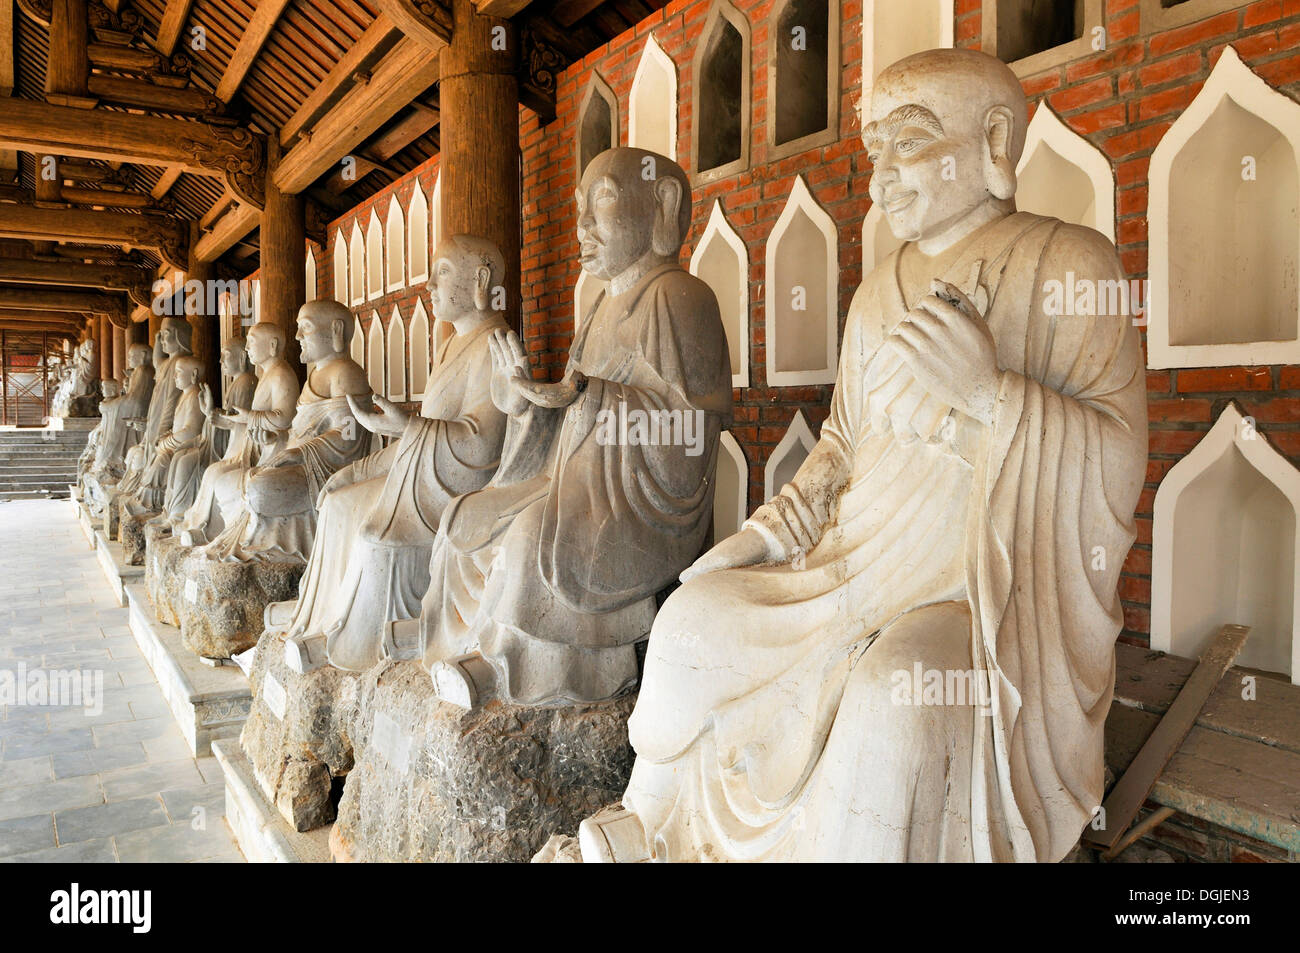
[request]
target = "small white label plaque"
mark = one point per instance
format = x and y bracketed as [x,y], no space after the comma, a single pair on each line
[191,591]
[393,744]
[274,696]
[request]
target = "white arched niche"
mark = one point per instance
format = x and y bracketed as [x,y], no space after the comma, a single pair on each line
[395,244]
[1224,548]
[396,357]
[788,456]
[802,308]
[340,268]
[311,274]
[435,210]
[1225,227]
[357,265]
[375,353]
[721,262]
[893,29]
[878,241]
[652,106]
[1063,175]
[598,121]
[419,345]
[417,236]
[586,290]
[374,258]
[358,347]
[730,487]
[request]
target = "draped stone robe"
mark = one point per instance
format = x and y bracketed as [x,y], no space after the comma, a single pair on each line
[551,571]
[162,408]
[190,467]
[370,559]
[116,438]
[778,719]
[188,422]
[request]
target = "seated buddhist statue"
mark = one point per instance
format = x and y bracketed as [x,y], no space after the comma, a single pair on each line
[189,466]
[279,497]
[117,436]
[108,390]
[961,521]
[185,434]
[171,343]
[257,431]
[378,516]
[542,583]
[77,394]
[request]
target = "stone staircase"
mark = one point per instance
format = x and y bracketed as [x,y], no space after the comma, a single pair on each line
[39,464]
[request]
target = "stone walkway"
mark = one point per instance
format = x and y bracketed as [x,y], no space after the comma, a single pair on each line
[108,777]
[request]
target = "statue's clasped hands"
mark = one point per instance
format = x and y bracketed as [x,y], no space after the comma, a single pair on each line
[949,349]
[513,387]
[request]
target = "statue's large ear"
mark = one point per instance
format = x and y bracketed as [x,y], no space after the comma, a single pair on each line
[482,287]
[338,335]
[999,170]
[666,239]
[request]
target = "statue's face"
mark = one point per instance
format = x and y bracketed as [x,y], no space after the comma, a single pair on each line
[186,377]
[452,283]
[232,361]
[616,213]
[260,344]
[929,158]
[168,339]
[136,358]
[315,338]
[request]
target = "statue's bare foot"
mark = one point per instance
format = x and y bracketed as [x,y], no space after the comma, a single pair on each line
[614,836]
[465,681]
[402,640]
[305,653]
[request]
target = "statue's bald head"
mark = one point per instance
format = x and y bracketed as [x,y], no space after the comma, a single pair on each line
[945,131]
[631,202]
[324,329]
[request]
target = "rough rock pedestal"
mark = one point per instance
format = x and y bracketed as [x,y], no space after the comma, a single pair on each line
[433,782]
[87,405]
[222,603]
[130,531]
[298,734]
[163,578]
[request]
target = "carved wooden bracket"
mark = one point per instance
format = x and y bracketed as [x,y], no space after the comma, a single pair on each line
[539,69]
[122,27]
[428,22]
[239,154]
[317,223]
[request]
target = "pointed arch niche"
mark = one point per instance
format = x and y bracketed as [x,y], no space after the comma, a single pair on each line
[788,456]
[893,30]
[1225,227]
[340,268]
[419,344]
[878,241]
[730,487]
[374,258]
[357,265]
[802,308]
[311,274]
[396,357]
[1224,549]
[721,262]
[1064,175]
[720,94]
[435,216]
[417,236]
[597,121]
[803,76]
[395,244]
[652,106]
[375,353]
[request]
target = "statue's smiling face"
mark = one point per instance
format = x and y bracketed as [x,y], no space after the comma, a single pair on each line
[616,214]
[314,338]
[929,170]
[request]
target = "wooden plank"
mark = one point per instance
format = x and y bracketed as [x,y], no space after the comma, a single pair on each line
[117,228]
[411,127]
[166,181]
[226,233]
[378,39]
[500,8]
[30,271]
[568,12]
[173,23]
[250,45]
[1129,793]
[405,73]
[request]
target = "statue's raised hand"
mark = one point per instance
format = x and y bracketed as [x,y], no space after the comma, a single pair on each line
[509,371]
[947,345]
[205,400]
[390,420]
[749,547]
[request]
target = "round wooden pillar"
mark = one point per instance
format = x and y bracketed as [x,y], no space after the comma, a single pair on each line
[120,345]
[479,161]
[104,346]
[203,315]
[283,256]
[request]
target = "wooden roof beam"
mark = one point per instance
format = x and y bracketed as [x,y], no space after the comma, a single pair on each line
[172,25]
[256,34]
[28,298]
[568,12]
[106,277]
[500,8]
[226,232]
[167,236]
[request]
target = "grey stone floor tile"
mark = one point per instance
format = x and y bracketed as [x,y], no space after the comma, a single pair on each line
[150,779]
[181,802]
[109,820]
[177,843]
[21,835]
[50,742]
[86,852]
[17,774]
[51,797]
[135,731]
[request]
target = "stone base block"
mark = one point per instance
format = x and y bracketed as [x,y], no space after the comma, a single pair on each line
[207,703]
[259,830]
[116,571]
[221,604]
[87,527]
[108,519]
[130,533]
[163,577]
[298,737]
[82,407]
[433,782]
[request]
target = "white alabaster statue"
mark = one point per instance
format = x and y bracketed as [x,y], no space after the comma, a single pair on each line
[116,435]
[185,433]
[378,516]
[189,466]
[279,496]
[108,390]
[79,379]
[171,343]
[542,583]
[964,516]
[258,429]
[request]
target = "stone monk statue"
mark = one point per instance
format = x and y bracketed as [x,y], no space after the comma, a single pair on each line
[184,435]
[171,343]
[964,514]
[542,582]
[279,497]
[378,516]
[258,429]
[116,436]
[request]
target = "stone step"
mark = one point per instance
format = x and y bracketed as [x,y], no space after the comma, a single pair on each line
[9,496]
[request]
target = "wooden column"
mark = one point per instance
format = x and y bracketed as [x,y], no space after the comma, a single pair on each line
[284,258]
[68,68]
[120,345]
[47,190]
[479,164]
[205,324]
[155,322]
[104,345]
[137,333]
